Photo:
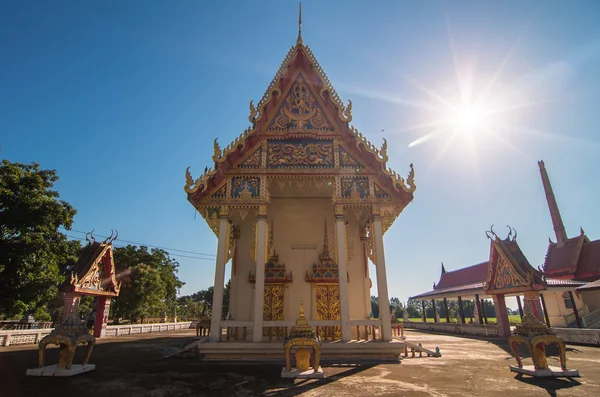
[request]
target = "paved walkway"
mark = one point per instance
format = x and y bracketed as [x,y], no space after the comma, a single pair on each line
[133,366]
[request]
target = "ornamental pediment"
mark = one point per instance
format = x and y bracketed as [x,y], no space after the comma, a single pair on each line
[300,112]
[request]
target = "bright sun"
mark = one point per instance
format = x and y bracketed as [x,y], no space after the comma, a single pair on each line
[467,117]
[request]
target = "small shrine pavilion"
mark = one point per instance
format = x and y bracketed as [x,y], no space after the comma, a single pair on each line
[93,274]
[299,202]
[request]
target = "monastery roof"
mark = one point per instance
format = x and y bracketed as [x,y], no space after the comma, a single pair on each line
[472,288]
[300,104]
[590,286]
[577,258]
[466,276]
[588,265]
[561,282]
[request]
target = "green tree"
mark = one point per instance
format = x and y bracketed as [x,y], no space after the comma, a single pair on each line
[149,282]
[414,308]
[396,307]
[33,253]
[375,306]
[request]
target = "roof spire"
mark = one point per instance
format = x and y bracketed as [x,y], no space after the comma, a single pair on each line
[299,41]
[559,227]
[443,269]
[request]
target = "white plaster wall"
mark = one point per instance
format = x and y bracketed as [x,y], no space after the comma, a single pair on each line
[557,310]
[591,299]
[298,222]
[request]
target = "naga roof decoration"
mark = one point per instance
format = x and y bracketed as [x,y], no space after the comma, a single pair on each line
[94,272]
[300,127]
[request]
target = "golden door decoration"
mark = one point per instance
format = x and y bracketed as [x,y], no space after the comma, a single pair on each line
[273,307]
[328,307]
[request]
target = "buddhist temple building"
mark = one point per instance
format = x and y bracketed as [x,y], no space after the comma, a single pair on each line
[300,203]
[559,289]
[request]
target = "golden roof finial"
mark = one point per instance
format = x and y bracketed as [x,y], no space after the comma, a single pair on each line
[299,41]
[301,309]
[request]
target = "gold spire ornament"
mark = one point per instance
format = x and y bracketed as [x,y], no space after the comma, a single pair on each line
[299,41]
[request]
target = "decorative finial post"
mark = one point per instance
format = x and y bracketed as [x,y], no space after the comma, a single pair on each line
[299,41]
[301,309]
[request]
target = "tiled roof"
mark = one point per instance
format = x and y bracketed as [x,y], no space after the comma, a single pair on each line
[562,260]
[590,286]
[557,282]
[465,276]
[588,265]
[473,288]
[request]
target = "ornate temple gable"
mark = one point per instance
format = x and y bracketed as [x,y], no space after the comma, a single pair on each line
[380,192]
[94,273]
[301,128]
[252,160]
[347,160]
[354,187]
[302,153]
[508,269]
[300,113]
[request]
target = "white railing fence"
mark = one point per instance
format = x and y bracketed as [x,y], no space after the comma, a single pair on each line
[22,337]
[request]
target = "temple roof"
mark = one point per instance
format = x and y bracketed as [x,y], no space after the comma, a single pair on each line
[588,286]
[577,258]
[506,271]
[474,274]
[94,272]
[301,104]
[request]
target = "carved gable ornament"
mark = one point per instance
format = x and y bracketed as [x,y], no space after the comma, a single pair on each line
[94,273]
[508,269]
[300,112]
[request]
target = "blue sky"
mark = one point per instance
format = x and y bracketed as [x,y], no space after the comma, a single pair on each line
[120,97]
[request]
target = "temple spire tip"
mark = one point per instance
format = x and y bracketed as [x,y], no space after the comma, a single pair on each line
[299,41]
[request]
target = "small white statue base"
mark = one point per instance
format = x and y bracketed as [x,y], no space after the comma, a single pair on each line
[53,370]
[550,371]
[309,374]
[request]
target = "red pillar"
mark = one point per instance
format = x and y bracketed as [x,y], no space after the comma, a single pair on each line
[501,316]
[102,311]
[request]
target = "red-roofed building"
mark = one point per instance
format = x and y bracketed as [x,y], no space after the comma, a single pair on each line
[561,284]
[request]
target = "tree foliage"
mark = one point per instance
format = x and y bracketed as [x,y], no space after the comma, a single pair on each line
[149,283]
[33,253]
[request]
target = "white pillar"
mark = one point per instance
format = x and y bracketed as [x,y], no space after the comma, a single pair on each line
[259,292]
[217,304]
[382,288]
[342,259]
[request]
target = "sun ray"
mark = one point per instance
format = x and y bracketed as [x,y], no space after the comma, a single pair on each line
[507,143]
[385,97]
[427,125]
[429,92]
[427,137]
